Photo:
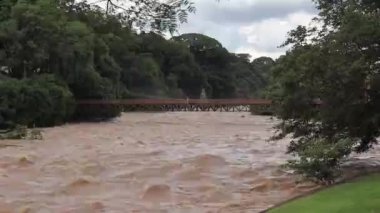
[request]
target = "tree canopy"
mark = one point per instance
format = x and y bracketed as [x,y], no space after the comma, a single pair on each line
[327,86]
[226,74]
[98,53]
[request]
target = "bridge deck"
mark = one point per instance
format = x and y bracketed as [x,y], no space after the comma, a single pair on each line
[227,105]
[231,102]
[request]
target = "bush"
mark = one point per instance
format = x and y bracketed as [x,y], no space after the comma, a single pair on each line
[42,101]
[92,112]
[260,110]
[89,85]
[319,159]
[61,100]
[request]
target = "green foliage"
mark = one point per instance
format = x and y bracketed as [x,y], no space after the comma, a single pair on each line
[326,86]
[144,75]
[226,75]
[43,101]
[91,86]
[319,159]
[199,42]
[155,15]
[98,55]
[96,112]
[261,110]
[175,60]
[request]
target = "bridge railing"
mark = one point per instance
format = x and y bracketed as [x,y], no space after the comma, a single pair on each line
[177,102]
[231,101]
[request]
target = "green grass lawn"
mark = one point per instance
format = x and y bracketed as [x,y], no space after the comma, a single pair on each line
[361,196]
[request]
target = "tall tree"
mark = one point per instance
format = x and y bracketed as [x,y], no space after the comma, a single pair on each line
[227,75]
[336,67]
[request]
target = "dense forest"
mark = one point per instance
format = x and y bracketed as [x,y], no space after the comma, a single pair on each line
[53,53]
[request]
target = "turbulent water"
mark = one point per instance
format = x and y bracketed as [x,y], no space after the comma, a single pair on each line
[149,162]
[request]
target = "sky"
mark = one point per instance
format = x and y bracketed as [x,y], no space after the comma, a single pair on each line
[256,27]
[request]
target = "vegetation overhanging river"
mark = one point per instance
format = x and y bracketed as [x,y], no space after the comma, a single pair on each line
[151,162]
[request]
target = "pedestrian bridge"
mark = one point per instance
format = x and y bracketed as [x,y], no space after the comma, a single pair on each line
[223,105]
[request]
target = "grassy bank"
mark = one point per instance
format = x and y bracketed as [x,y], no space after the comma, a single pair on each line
[362,196]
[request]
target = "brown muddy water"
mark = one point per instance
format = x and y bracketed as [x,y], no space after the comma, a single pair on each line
[190,162]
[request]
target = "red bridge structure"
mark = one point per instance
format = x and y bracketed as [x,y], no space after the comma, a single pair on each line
[223,105]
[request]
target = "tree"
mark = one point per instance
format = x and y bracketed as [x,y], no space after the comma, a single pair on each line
[153,15]
[227,75]
[258,75]
[176,62]
[39,37]
[326,87]
[110,53]
[41,101]
[213,60]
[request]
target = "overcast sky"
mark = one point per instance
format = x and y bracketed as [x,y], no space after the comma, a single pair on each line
[256,27]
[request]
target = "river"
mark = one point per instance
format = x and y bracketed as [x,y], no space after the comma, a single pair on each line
[150,162]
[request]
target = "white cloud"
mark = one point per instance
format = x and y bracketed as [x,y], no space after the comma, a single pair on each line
[256,53]
[257,27]
[247,11]
[265,36]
